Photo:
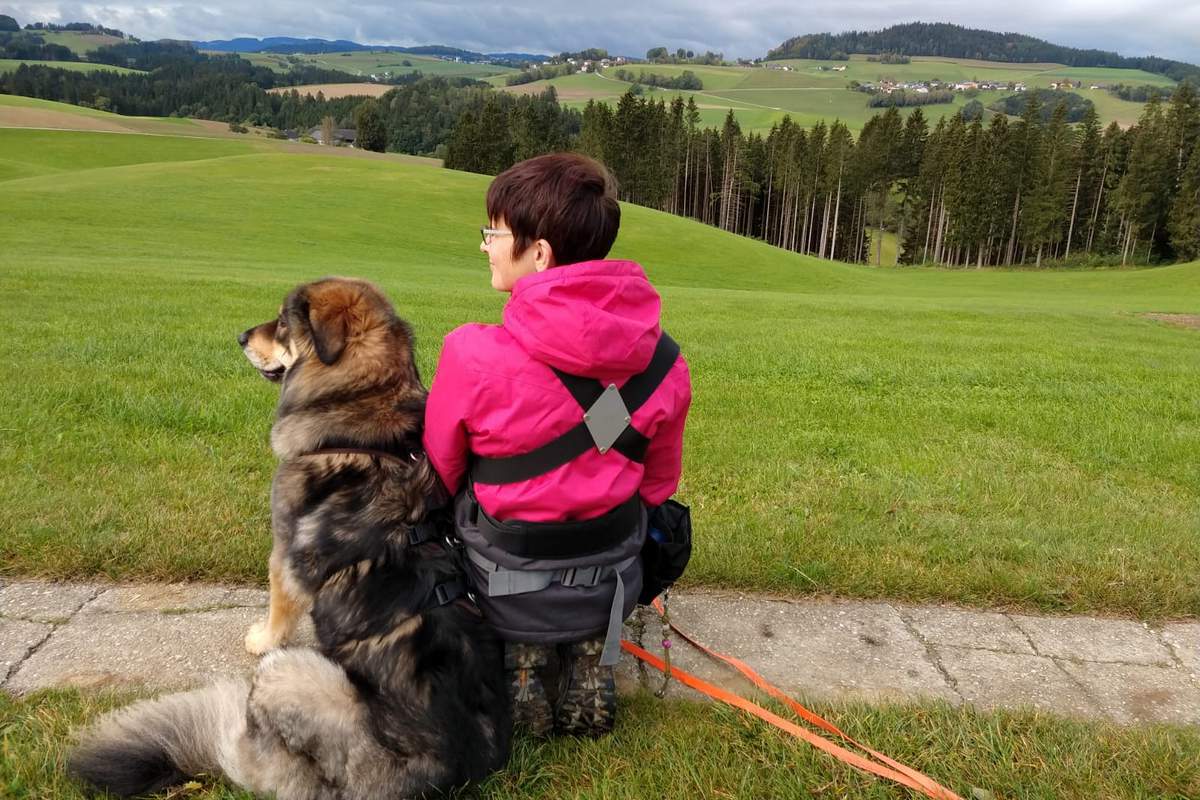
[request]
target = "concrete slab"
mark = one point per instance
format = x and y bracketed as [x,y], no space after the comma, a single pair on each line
[1139,694]
[252,598]
[959,627]
[1184,638]
[17,637]
[991,679]
[818,649]
[1094,639]
[141,648]
[43,601]
[174,597]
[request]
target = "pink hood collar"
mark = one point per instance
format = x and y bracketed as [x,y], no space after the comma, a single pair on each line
[595,318]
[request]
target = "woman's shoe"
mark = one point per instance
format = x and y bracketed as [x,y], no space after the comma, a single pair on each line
[587,703]
[526,693]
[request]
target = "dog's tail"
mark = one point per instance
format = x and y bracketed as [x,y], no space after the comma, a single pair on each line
[159,743]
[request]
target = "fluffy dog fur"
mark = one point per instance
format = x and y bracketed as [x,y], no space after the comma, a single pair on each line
[403,697]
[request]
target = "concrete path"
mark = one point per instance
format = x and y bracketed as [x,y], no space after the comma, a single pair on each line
[176,635]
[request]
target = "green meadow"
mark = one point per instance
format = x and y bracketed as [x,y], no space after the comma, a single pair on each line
[993,438]
[11,64]
[366,62]
[810,91]
[79,42]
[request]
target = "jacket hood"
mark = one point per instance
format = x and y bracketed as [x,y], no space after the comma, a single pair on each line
[595,318]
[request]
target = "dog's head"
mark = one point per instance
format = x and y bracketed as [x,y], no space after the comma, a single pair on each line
[318,322]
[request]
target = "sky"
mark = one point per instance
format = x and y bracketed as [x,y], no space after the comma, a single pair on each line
[737,28]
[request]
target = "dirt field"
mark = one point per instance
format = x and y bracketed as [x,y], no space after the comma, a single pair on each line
[18,117]
[1182,320]
[332,91]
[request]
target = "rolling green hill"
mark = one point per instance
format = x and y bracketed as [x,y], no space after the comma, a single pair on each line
[366,62]
[810,90]
[981,437]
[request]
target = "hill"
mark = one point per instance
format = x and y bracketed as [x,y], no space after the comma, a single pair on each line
[955,41]
[810,91]
[288,44]
[982,437]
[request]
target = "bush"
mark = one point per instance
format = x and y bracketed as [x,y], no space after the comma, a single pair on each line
[236,128]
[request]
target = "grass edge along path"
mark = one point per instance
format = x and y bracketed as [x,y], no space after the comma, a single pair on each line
[683,749]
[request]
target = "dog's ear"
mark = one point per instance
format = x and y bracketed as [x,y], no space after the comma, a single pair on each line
[329,320]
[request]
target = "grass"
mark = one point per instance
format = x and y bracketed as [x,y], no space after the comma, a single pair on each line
[10,65]
[366,62]
[79,42]
[760,97]
[990,438]
[677,749]
[18,101]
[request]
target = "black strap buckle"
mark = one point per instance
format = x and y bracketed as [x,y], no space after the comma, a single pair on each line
[582,576]
[447,593]
[421,533]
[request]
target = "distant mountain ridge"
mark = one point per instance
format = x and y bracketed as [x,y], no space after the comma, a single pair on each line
[289,44]
[956,41]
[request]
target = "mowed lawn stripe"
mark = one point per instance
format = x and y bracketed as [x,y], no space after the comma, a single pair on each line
[987,437]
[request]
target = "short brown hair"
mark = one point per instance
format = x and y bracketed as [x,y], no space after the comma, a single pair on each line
[567,199]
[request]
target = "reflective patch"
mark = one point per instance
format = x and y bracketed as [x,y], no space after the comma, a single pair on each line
[607,419]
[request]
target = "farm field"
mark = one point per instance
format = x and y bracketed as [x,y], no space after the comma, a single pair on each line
[366,62]
[10,65]
[332,91]
[79,43]
[1014,438]
[31,112]
[762,96]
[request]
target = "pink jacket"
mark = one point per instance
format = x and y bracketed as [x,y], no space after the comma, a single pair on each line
[494,394]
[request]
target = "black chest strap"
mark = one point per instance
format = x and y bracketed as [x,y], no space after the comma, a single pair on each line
[631,443]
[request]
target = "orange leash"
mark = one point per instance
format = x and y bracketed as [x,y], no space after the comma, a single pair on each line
[894,770]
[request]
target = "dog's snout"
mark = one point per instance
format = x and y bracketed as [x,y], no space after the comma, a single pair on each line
[243,337]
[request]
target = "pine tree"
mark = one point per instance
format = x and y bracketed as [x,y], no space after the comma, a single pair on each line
[1047,208]
[1185,212]
[1183,124]
[368,124]
[1146,188]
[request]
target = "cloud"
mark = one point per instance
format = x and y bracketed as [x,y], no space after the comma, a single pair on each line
[734,27]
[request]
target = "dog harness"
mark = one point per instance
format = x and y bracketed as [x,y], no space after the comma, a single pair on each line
[606,426]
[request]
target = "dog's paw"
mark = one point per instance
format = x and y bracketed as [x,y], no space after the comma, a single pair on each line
[259,639]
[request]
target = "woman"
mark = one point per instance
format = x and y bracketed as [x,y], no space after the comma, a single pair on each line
[556,429]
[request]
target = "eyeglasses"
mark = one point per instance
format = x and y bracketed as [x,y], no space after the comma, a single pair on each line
[489,233]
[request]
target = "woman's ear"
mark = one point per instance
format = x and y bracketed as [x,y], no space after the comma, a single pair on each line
[543,255]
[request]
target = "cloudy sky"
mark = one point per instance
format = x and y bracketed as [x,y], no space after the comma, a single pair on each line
[1169,28]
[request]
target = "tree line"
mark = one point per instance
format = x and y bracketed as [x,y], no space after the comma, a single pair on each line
[955,41]
[684,81]
[960,194]
[27,46]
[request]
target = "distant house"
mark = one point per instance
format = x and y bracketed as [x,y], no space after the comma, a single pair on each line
[342,137]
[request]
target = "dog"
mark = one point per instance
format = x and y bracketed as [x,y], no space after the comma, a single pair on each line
[405,694]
